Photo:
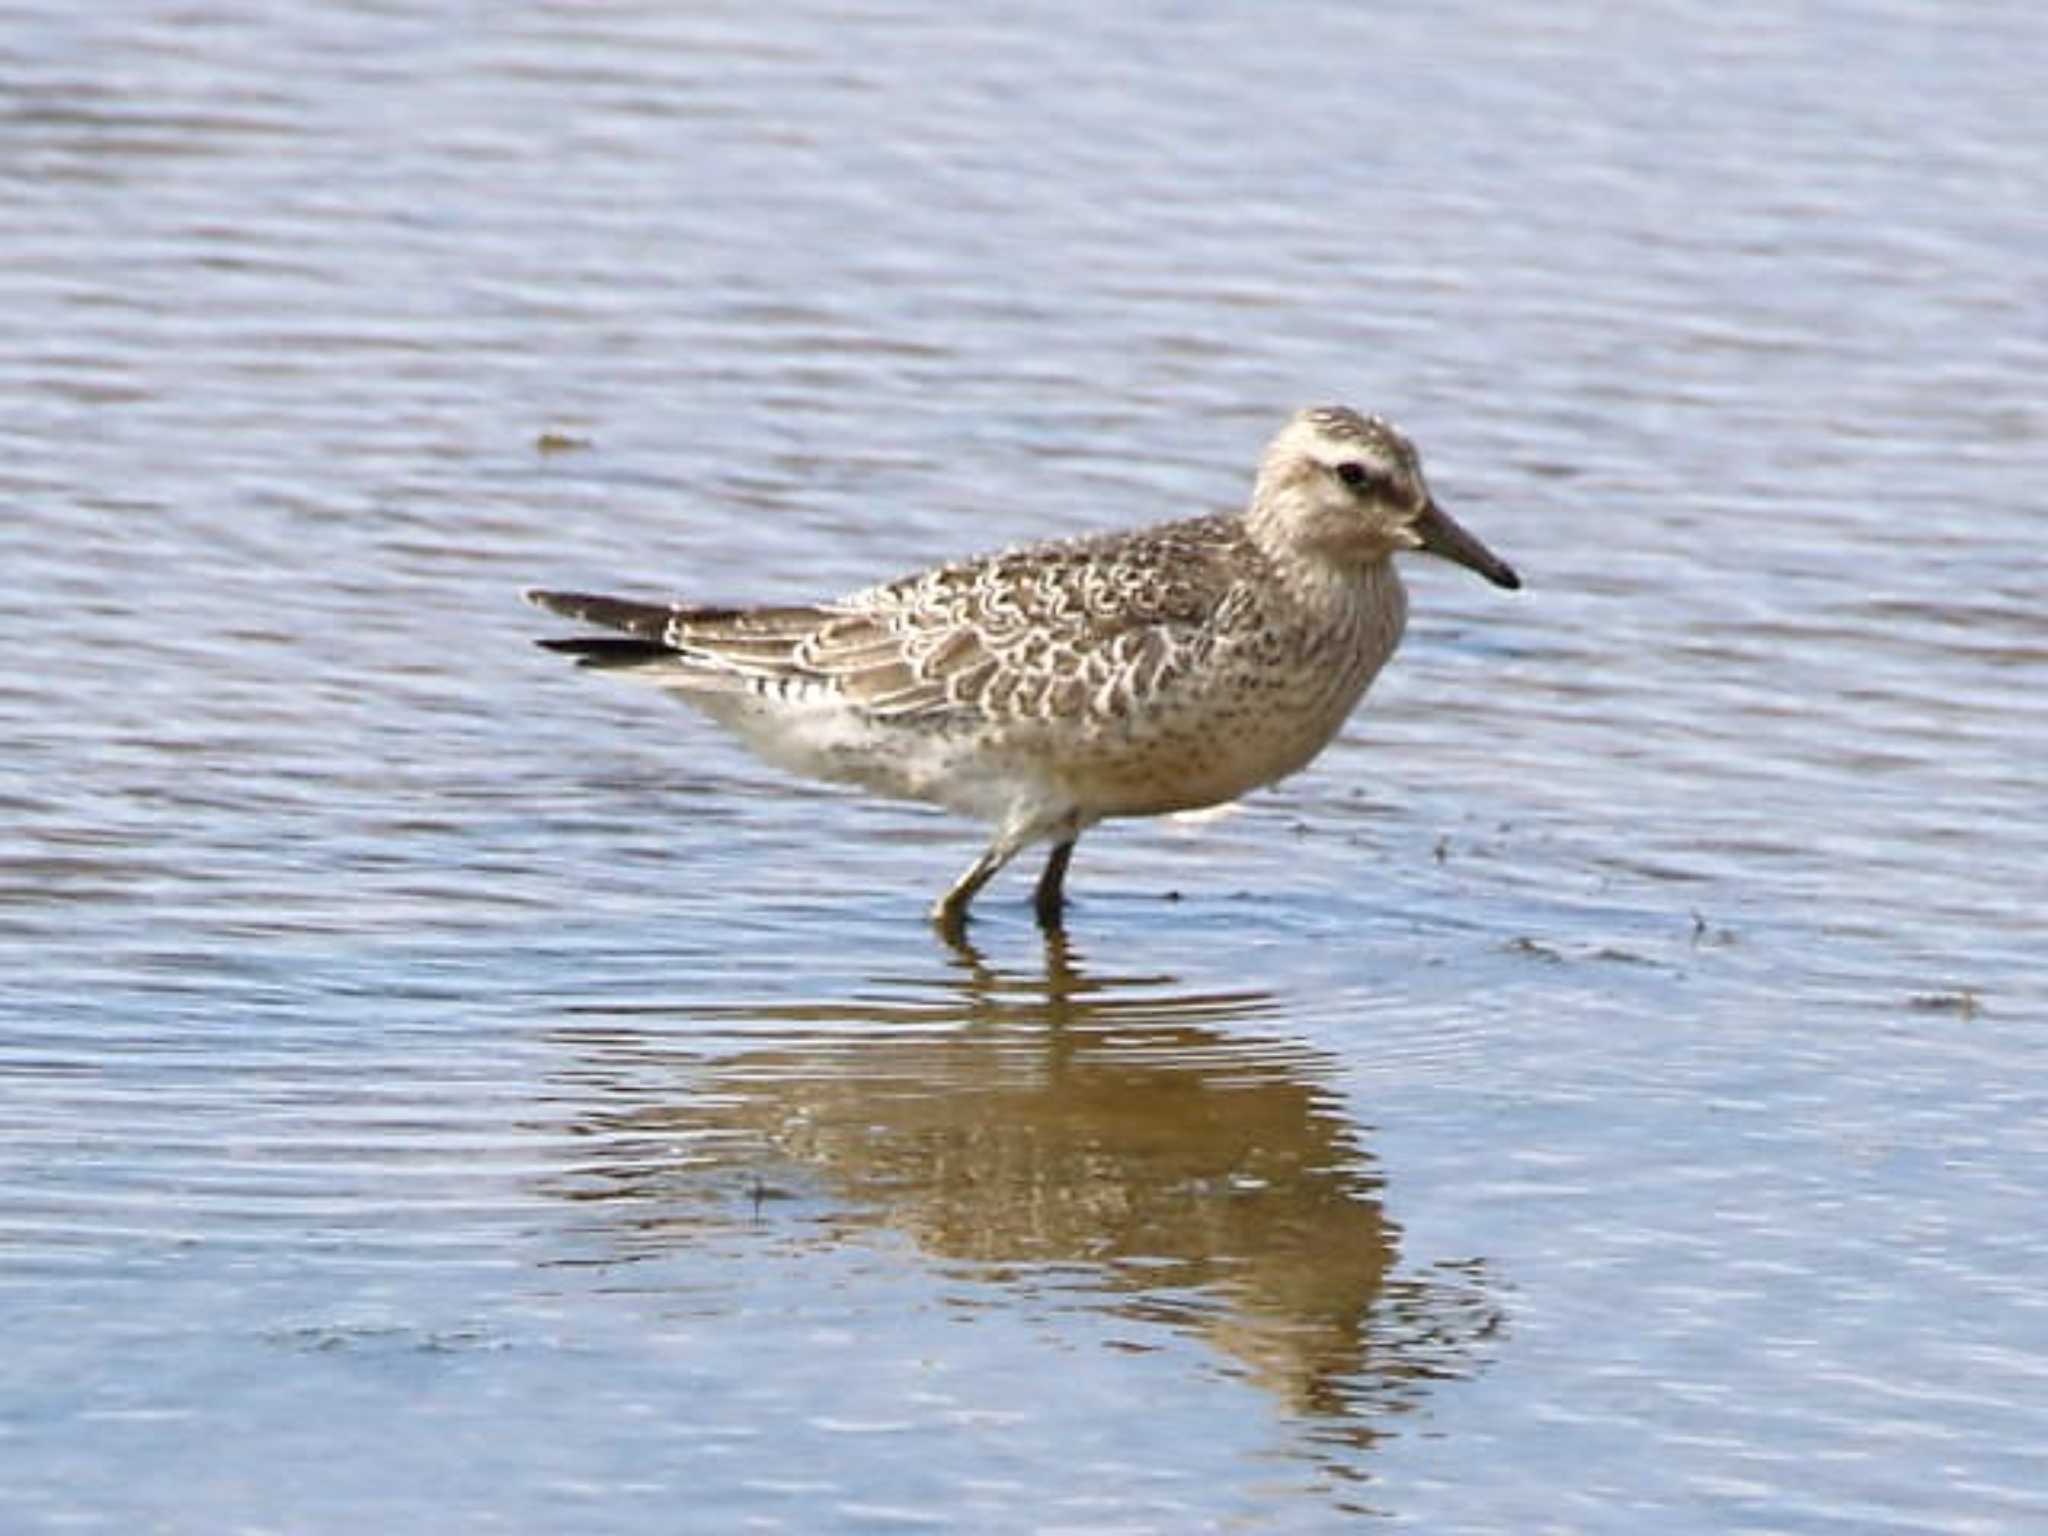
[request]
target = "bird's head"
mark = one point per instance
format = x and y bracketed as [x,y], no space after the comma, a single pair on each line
[1347,488]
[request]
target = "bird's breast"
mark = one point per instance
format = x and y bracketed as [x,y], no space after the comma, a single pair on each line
[1268,696]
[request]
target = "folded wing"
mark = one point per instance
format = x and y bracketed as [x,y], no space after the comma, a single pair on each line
[1036,633]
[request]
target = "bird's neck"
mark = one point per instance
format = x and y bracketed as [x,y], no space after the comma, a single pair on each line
[1321,578]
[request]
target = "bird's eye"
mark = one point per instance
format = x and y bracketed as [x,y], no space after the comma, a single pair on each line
[1356,475]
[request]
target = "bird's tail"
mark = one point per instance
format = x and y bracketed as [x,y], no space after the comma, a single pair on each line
[647,628]
[707,649]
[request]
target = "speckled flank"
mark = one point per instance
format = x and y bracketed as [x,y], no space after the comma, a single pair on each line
[1049,687]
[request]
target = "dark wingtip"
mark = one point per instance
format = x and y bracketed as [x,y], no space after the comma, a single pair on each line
[563,603]
[648,621]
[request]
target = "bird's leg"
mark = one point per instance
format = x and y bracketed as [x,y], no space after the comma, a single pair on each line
[949,912]
[1049,900]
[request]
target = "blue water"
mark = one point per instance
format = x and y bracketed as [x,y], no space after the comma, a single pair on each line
[439,1092]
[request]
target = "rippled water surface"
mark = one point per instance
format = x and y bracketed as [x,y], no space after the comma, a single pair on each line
[442,1093]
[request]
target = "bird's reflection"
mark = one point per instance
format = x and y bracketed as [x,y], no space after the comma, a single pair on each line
[1114,1137]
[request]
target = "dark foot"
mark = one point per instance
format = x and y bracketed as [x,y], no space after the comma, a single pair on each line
[949,917]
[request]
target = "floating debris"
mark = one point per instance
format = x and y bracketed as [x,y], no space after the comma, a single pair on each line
[1963,1003]
[1705,933]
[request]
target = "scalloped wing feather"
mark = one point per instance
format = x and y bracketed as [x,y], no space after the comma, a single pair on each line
[1042,630]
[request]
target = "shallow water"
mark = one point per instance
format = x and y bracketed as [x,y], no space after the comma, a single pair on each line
[445,1093]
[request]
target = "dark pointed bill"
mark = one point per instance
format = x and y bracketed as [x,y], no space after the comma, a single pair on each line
[1442,534]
